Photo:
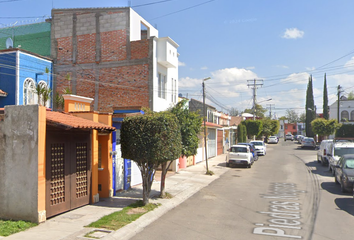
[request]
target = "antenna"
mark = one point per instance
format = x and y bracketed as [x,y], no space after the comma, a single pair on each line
[9,43]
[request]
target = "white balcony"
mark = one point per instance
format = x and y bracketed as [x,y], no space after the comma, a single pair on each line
[167,54]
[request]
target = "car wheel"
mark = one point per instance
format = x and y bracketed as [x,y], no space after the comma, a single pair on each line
[323,162]
[249,165]
[343,190]
[335,180]
[227,164]
[318,159]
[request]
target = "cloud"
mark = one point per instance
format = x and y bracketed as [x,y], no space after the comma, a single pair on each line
[350,63]
[281,66]
[204,68]
[181,64]
[229,81]
[297,78]
[310,68]
[250,68]
[343,79]
[293,33]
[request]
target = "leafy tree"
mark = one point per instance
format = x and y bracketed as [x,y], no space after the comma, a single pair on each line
[234,112]
[241,133]
[150,140]
[350,96]
[292,116]
[309,108]
[345,130]
[302,117]
[270,127]
[260,111]
[254,127]
[324,127]
[190,126]
[39,91]
[325,99]
[46,95]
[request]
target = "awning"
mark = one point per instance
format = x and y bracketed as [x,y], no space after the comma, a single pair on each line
[69,121]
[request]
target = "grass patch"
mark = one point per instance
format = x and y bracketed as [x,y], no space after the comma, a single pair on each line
[117,220]
[211,173]
[167,196]
[8,227]
[88,235]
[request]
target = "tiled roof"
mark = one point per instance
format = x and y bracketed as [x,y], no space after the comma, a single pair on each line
[2,93]
[70,121]
[235,120]
[209,124]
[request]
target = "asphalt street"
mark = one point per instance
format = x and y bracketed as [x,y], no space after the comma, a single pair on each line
[285,195]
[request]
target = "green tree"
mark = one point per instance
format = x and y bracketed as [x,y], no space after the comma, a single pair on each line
[270,127]
[150,140]
[324,127]
[254,127]
[260,111]
[302,117]
[241,133]
[39,91]
[291,115]
[46,95]
[190,126]
[309,108]
[325,99]
[234,112]
[350,96]
[345,130]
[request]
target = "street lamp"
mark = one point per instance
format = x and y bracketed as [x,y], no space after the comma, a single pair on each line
[204,119]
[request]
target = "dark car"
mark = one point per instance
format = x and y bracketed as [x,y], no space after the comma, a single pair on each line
[253,150]
[344,172]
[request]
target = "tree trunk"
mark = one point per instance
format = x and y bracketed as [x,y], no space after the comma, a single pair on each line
[146,191]
[163,178]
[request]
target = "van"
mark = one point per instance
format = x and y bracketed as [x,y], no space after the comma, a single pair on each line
[323,150]
[338,149]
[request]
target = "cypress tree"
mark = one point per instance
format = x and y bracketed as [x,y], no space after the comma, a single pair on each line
[325,99]
[309,109]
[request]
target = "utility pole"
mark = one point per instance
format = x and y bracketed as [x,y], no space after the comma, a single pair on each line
[205,132]
[270,110]
[254,86]
[339,89]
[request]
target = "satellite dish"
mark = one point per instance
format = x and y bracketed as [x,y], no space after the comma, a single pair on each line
[9,43]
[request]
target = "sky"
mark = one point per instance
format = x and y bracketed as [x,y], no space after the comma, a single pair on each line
[278,42]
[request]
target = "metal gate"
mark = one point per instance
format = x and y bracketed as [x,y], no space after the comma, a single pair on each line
[68,171]
[211,142]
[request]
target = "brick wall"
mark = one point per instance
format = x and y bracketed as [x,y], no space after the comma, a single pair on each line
[104,55]
[140,49]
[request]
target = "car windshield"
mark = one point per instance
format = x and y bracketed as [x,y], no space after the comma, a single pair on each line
[257,143]
[238,149]
[349,164]
[342,151]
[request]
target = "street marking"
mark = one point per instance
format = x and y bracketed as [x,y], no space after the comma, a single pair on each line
[284,211]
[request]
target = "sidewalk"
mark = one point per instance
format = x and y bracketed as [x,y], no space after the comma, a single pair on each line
[70,225]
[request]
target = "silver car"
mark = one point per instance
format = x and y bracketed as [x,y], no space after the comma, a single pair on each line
[308,142]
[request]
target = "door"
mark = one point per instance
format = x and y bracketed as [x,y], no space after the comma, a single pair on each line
[68,171]
[220,142]
[211,143]
[119,169]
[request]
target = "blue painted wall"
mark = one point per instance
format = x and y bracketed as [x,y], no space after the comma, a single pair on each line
[33,67]
[30,66]
[8,78]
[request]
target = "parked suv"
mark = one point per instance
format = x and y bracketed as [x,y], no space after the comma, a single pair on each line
[338,149]
[323,151]
[289,136]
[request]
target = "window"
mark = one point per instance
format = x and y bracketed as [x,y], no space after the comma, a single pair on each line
[162,86]
[352,115]
[29,92]
[344,116]
[294,127]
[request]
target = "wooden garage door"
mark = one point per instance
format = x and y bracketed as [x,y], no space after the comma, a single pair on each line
[220,142]
[68,171]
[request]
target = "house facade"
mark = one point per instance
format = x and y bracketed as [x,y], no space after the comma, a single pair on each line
[115,57]
[20,72]
[346,111]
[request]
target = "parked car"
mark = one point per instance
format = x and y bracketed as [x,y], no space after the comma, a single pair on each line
[337,150]
[299,138]
[289,136]
[253,150]
[344,174]
[239,155]
[323,150]
[260,147]
[273,139]
[308,142]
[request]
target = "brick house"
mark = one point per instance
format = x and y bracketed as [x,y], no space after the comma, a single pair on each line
[115,57]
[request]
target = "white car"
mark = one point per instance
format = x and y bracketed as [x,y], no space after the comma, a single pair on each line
[336,150]
[239,155]
[273,139]
[323,150]
[289,136]
[260,147]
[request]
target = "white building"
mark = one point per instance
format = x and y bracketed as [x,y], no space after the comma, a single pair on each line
[346,111]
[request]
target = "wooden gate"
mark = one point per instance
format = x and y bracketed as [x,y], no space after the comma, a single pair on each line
[68,170]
